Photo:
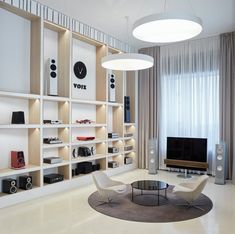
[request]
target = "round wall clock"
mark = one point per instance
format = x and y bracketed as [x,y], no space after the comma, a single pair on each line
[80,70]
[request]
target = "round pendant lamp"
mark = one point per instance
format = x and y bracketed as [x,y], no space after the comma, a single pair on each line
[127,62]
[167,27]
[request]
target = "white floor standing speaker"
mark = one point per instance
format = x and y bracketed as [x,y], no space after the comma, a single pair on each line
[152,156]
[52,85]
[112,87]
[220,152]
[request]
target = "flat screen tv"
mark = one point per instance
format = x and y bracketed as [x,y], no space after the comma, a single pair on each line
[189,149]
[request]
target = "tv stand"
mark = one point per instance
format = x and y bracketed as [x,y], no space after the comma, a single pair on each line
[186,165]
[185,175]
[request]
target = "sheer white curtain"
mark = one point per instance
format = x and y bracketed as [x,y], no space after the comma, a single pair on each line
[189,84]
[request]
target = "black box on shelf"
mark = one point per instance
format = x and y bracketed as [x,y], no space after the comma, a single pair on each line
[53,160]
[128,160]
[25,182]
[53,178]
[113,164]
[112,150]
[18,117]
[128,147]
[9,186]
[84,168]
[96,167]
[113,135]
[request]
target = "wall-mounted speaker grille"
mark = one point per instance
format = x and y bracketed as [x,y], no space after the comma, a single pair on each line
[112,87]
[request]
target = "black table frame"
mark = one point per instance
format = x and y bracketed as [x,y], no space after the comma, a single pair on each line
[153,189]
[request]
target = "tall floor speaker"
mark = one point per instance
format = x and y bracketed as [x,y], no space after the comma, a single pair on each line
[52,82]
[220,152]
[127,113]
[152,156]
[112,87]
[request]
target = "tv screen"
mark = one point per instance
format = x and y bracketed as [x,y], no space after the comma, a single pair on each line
[191,149]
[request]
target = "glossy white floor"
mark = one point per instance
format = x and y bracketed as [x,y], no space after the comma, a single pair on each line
[70,213]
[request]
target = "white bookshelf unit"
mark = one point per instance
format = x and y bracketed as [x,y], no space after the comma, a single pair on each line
[27,41]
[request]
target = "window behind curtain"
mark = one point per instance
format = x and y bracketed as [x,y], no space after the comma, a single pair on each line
[189,84]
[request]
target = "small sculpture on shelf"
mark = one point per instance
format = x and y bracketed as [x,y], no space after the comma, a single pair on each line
[49,121]
[85,138]
[17,160]
[85,121]
[17,117]
[52,140]
[83,151]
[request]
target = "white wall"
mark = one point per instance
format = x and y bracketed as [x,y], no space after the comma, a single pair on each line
[15,46]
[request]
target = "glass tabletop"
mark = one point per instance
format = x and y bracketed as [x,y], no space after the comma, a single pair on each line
[149,185]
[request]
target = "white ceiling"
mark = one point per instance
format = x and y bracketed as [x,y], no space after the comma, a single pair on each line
[218,16]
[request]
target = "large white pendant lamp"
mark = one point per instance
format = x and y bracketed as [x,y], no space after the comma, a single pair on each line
[167,27]
[127,62]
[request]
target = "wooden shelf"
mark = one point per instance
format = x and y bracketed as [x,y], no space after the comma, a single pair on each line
[51,146]
[96,141]
[78,101]
[129,124]
[10,172]
[114,104]
[88,125]
[56,125]
[88,158]
[115,139]
[19,126]
[19,95]
[115,154]
[47,165]
[55,99]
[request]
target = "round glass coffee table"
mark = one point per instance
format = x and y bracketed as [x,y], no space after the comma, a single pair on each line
[146,197]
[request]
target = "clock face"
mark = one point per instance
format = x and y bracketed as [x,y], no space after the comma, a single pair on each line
[80,70]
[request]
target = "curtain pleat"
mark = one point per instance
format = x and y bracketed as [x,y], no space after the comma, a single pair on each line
[148,105]
[227,98]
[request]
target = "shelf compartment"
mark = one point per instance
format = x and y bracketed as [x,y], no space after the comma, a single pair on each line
[57,46]
[64,170]
[30,107]
[56,111]
[95,113]
[115,120]
[25,77]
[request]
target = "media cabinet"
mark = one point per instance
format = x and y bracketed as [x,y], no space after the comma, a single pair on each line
[27,41]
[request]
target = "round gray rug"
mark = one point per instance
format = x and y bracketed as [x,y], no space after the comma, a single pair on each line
[123,208]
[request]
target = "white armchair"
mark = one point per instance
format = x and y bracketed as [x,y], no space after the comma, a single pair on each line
[106,187]
[190,191]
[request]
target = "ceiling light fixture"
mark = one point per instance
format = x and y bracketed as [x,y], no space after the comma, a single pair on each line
[127,61]
[167,27]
